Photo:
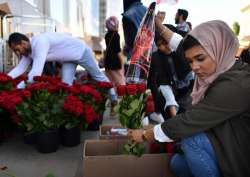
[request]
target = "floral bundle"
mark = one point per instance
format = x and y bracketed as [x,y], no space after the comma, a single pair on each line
[94,96]
[47,103]
[131,109]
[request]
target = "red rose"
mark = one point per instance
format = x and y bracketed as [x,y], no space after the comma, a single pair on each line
[131,89]
[105,84]
[150,107]
[5,78]
[26,93]
[121,90]
[90,114]
[141,88]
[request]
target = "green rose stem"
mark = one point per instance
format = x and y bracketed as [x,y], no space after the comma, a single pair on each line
[134,148]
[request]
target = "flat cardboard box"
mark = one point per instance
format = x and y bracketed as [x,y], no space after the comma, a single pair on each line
[104,158]
[105,132]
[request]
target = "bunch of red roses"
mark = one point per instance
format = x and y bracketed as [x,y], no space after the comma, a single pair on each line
[74,110]
[94,96]
[131,108]
[47,103]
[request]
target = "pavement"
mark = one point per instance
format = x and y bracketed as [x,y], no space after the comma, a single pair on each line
[24,160]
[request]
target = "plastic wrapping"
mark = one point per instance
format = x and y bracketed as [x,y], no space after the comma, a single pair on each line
[141,54]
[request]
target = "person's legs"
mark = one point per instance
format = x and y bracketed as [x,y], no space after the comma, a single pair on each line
[116,77]
[68,72]
[88,62]
[200,156]
[171,106]
[179,166]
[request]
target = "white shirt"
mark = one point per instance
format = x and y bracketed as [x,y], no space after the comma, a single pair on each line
[49,46]
[159,135]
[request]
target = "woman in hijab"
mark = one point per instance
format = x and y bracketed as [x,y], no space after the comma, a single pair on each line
[113,63]
[215,131]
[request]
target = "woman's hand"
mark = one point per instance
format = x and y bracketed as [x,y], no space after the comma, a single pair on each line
[149,135]
[141,135]
[160,16]
[136,135]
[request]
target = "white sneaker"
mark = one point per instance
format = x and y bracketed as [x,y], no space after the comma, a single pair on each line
[156,117]
[145,121]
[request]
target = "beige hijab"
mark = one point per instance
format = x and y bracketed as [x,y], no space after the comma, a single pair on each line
[221,44]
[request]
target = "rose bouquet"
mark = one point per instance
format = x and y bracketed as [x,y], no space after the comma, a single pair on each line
[94,96]
[131,110]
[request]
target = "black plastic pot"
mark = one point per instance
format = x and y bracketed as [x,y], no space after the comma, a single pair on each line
[48,141]
[7,127]
[71,137]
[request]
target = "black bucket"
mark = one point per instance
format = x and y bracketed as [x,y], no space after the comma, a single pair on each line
[48,141]
[71,137]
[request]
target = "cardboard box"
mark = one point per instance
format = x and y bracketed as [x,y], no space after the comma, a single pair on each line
[104,158]
[105,132]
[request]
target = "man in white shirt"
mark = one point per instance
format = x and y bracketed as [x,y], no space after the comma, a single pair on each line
[58,47]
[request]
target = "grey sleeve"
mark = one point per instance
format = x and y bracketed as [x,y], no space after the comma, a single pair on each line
[224,100]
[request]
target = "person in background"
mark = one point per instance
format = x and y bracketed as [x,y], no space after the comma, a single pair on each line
[132,16]
[190,25]
[214,131]
[170,79]
[180,20]
[245,55]
[113,63]
[52,68]
[51,46]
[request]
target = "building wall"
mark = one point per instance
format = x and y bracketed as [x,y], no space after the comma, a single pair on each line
[91,17]
[244,36]
[69,15]
[102,17]
[245,21]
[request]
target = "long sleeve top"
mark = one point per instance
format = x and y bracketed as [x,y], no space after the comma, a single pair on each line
[49,47]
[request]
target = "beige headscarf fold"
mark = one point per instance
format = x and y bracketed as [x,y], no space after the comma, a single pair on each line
[221,44]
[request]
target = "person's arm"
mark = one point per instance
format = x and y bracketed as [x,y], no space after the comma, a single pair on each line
[20,68]
[217,106]
[150,135]
[130,32]
[40,50]
[173,39]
